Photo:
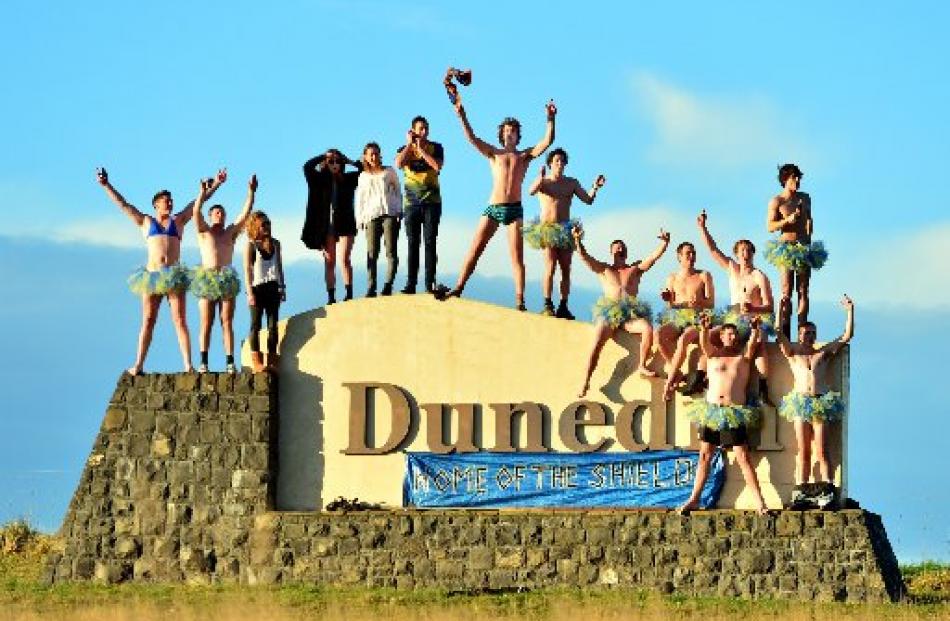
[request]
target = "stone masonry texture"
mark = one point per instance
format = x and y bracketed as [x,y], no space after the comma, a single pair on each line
[179,486]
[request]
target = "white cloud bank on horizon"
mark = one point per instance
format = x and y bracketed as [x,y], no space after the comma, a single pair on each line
[715,131]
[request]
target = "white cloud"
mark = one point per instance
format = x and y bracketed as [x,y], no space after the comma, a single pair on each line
[722,131]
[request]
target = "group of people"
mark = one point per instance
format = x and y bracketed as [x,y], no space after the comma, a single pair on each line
[733,366]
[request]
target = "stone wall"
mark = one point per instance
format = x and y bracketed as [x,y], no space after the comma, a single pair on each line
[180,486]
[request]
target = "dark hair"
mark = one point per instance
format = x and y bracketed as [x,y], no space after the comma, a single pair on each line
[735,246]
[557,151]
[509,120]
[682,245]
[622,244]
[213,207]
[160,194]
[419,119]
[731,326]
[808,324]
[787,170]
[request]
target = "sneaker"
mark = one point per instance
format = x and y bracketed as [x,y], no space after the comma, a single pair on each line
[564,313]
[520,306]
[371,293]
[230,368]
[203,368]
[408,290]
[548,310]
[387,289]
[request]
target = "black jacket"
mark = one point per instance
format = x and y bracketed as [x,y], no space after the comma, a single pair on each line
[319,191]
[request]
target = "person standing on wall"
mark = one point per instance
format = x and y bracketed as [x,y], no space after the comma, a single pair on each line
[379,212]
[421,162]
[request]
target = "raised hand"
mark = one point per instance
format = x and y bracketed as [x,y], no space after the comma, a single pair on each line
[252,183]
[410,138]
[666,295]
[755,322]
[222,176]
[705,320]
[664,236]
[102,176]
[846,302]
[600,181]
[701,219]
[204,187]
[542,172]
[793,217]
[551,109]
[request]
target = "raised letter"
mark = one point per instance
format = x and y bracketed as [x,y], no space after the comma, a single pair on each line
[435,428]
[581,414]
[359,415]
[504,418]
[631,414]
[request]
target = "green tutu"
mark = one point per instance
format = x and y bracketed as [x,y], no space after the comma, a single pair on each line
[826,408]
[741,322]
[720,417]
[558,235]
[682,318]
[215,284]
[169,279]
[615,313]
[796,256]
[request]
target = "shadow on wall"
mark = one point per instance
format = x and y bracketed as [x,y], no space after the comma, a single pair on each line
[300,431]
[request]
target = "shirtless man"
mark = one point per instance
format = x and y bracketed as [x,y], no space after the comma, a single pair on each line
[688,292]
[750,294]
[618,308]
[215,282]
[552,231]
[508,167]
[811,404]
[793,253]
[162,275]
[723,419]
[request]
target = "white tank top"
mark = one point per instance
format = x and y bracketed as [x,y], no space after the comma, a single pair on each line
[264,269]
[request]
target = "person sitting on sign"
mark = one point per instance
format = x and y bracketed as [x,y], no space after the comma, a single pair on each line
[688,293]
[552,231]
[811,404]
[794,253]
[619,308]
[508,167]
[722,417]
[264,273]
[214,282]
[330,223]
[379,211]
[162,276]
[750,295]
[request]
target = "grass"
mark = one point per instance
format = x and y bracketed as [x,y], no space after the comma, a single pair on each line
[23,598]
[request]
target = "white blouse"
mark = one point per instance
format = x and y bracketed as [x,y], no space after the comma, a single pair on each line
[377,194]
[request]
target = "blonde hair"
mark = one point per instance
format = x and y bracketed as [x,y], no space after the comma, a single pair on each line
[254,222]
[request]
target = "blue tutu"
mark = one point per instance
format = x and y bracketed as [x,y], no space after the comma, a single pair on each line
[721,417]
[215,284]
[741,321]
[796,256]
[558,235]
[615,313]
[825,408]
[169,279]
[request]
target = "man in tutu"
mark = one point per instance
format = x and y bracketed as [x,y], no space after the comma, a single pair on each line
[688,293]
[162,276]
[722,417]
[793,253]
[619,308]
[552,231]
[214,282]
[812,404]
[508,167]
[750,294]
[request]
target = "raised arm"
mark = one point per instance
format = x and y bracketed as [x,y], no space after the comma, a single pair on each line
[238,226]
[705,344]
[198,203]
[211,186]
[538,183]
[580,193]
[717,254]
[548,138]
[593,264]
[835,346]
[127,208]
[648,262]
[755,337]
[784,345]
[480,145]
[311,165]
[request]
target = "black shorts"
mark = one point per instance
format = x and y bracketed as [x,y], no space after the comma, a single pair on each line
[726,438]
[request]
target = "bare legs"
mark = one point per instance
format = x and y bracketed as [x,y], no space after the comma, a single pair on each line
[483,233]
[602,332]
[675,356]
[702,473]
[801,282]
[176,301]
[644,329]
[206,309]
[516,250]
[333,247]
[227,325]
[150,304]
[556,258]
[805,434]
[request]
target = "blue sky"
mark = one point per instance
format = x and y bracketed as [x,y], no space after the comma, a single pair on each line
[684,107]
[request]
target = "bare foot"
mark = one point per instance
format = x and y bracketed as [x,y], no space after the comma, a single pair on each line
[134,370]
[687,507]
[189,369]
[646,373]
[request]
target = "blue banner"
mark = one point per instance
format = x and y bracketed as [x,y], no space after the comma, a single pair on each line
[660,479]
